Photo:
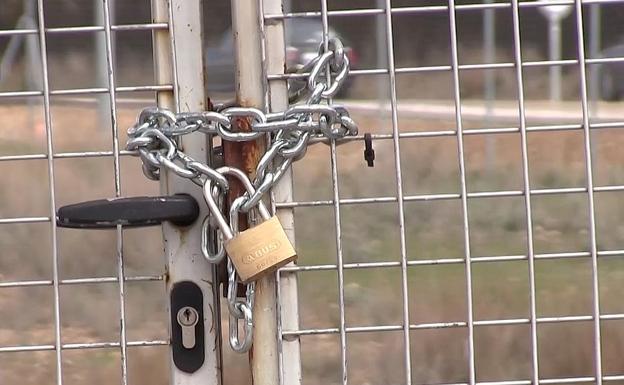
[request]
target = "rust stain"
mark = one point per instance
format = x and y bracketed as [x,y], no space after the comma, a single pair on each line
[245,156]
[242,155]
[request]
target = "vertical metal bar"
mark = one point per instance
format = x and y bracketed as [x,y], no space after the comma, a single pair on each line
[179,60]
[595,42]
[590,190]
[110,70]
[287,301]
[51,185]
[123,341]
[382,51]
[399,189]
[464,200]
[250,81]
[489,56]
[527,190]
[337,221]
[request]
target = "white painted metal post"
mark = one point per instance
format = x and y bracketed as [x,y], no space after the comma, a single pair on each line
[287,296]
[250,92]
[179,60]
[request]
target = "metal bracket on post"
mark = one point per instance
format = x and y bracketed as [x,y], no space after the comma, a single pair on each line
[195,319]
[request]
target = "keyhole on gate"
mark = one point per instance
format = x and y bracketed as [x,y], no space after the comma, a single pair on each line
[187,318]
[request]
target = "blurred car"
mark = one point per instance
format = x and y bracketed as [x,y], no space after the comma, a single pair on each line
[302,38]
[612,74]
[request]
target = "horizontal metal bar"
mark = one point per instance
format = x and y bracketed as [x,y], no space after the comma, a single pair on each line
[449,324]
[64,155]
[80,346]
[86,29]
[568,380]
[345,201]
[429,9]
[80,281]
[5,221]
[481,131]
[448,196]
[20,94]
[463,67]
[117,89]
[87,91]
[450,261]
[407,135]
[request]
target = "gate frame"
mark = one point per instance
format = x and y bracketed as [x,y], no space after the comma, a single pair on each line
[178,59]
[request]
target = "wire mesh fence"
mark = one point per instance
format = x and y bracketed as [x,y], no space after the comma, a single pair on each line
[470,253]
[484,246]
[64,293]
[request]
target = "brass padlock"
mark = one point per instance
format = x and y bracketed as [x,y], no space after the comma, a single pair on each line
[259,250]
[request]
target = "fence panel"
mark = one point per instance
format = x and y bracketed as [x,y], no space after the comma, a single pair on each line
[96,301]
[483,246]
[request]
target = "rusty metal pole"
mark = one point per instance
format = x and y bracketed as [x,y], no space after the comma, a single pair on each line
[250,92]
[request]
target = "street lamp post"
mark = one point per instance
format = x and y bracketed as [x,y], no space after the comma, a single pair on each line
[555,15]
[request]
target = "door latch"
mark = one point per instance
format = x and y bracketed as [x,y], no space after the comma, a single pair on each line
[180,209]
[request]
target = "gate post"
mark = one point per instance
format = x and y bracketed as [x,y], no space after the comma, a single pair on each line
[178,56]
[250,92]
[287,305]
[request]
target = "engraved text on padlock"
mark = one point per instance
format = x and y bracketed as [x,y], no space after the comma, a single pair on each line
[260,250]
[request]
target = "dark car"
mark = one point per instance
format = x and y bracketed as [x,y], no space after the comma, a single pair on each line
[302,38]
[612,74]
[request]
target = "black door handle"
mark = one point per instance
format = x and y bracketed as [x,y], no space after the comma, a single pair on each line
[181,210]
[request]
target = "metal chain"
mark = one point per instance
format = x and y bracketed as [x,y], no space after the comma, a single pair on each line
[154,138]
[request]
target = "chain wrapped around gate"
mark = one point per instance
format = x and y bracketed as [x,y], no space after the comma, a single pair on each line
[265,247]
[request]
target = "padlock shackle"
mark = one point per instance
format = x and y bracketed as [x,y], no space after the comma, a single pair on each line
[244,179]
[214,208]
[215,211]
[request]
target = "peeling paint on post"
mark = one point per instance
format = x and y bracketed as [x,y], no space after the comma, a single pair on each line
[250,92]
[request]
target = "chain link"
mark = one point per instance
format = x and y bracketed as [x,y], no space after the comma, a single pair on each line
[154,139]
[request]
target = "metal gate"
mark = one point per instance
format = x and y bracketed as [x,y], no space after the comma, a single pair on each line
[483,247]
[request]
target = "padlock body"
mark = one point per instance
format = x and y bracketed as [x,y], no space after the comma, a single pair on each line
[260,250]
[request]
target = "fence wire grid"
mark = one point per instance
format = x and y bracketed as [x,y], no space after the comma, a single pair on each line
[483,248]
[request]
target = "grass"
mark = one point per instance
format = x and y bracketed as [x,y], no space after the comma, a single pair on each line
[434,230]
